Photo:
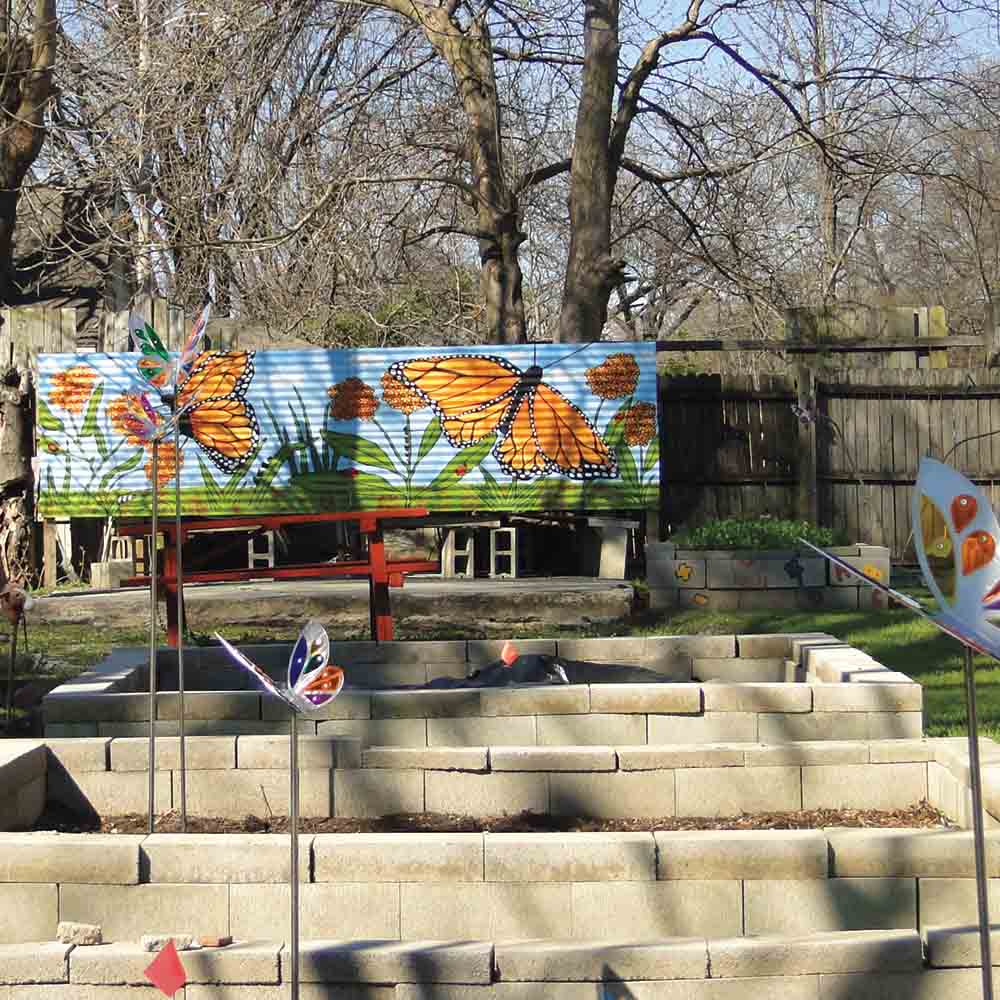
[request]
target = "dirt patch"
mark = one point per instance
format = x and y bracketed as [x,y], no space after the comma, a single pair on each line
[917,817]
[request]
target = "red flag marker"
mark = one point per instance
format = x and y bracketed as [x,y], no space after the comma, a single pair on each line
[166,972]
[508,654]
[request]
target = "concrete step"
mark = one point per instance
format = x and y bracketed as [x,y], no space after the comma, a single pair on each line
[23,765]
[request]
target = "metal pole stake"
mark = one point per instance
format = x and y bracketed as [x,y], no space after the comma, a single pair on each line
[982,886]
[152,639]
[293,795]
[180,620]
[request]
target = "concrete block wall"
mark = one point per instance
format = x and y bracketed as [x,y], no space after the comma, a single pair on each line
[23,767]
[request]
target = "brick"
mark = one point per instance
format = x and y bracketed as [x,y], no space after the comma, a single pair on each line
[200,753]
[572,699]
[809,752]
[486,794]
[895,725]
[328,910]
[157,942]
[863,786]
[764,646]
[380,732]
[427,758]
[210,858]
[787,728]
[757,697]
[591,961]
[730,791]
[552,759]
[845,951]
[29,912]
[347,705]
[862,697]
[930,984]
[70,857]
[655,758]
[741,670]
[110,793]
[254,792]
[39,962]
[377,793]
[510,730]
[425,704]
[742,854]
[590,730]
[624,794]
[712,727]
[313,752]
[125,963]
[487,911]
[69,932]
[480,652]
[928,853]
[638,698]
[209,705]
[391,857]
[569,857]
[646,910]
[79,754]
[397,962]
[126,911]
[803,906]
[952,901]
[900,751]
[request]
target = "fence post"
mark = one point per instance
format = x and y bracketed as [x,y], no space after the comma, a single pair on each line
[807,500]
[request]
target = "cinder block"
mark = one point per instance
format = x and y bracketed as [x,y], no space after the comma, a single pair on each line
[712,727]
[254,792]
[347,705]
[660,647]
[360,652]
[313,752]
[709,600]
[872,564]
[510,730]
[38,962]
[623,794]
[663,598]
[307,991]
[569,857]
[665,757]
[28,912]
[69,730]
[840,904]
[485,794]
[79,754]
[379,793]
[209,858]
[109,793]
[484,911]
[648,910]
[427,758]
[199,727]
[895,725]
[845,951]
[392,857]
[788,728]
[200,753]
[214,705]
[742,854]
[757,697]
[922,853]
[741,670]
[126,911]
[573,699]
[809,752]
[431,704]
[729,791]
[480,652]
[863,786]
[552,759]
[764,646]
[590,730]
[70,857]
[900,751]
[952,902]
[380,732]
[328,910]
[726,573]
[107,707]
[21,809]
[397,962]
[929,984]
[957,947]
[772,987]
[862,697]
[22,763]
[592,961]
[676,573]
[681,699]
[625,650]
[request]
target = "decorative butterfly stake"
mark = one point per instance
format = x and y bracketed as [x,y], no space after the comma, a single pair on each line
[957,535]
[312,683]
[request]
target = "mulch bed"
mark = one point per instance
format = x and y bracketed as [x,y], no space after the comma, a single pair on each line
[918,816]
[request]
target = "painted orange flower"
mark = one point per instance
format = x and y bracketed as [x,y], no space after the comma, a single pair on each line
[169,462]
[615,377]
[352,399]
[640,424]
[72,388]
[399,396]
[120,409]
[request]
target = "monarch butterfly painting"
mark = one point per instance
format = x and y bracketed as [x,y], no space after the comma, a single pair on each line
[538,430]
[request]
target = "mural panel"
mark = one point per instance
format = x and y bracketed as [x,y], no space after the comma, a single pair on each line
[532,427]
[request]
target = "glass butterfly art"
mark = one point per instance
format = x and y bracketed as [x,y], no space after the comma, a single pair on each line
[956,536]
[312,679]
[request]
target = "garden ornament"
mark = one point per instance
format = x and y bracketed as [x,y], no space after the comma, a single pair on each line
[14,601]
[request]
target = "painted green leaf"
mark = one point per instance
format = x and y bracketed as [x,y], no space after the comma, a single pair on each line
[614,433]
[90,428]
[47,420]
[626,466]
[212,492]
[119,470]
[469,457]
[430,437]
[652,455]
[359,450]
[102,444]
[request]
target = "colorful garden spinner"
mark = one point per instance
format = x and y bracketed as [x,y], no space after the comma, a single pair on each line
[956,535]
[312,679]
[156,365]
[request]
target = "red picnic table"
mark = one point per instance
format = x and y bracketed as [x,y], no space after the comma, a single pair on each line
[382,573]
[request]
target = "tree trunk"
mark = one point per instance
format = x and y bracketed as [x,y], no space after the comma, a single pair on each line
[17,549]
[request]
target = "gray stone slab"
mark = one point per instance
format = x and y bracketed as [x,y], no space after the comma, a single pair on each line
[426,758]
[29,911]
[486,794]
[381,732]
[569,857]
[923,853]
[741,670]
[391,857]
[863,786]
[764,645]
[809,752]
[79,754]
[221,858]
[679,699]
[731,791]
[742,854]
[666,757]
[958,947]
[425,704]
[755,697]
[373,793]
[623,794]
[110,707]
[347,705]
[590,730]
[573,699]
[480,652]
[591,961]
[200,752]
[70,857]
[552,759]
[37,962]
[510,730]
[788,728]
[214,705]
[711,727]
[125,963]
[396,962]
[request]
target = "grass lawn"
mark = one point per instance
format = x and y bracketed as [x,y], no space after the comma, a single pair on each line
[896,638]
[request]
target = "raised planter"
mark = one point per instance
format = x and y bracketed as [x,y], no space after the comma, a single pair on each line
[752,579]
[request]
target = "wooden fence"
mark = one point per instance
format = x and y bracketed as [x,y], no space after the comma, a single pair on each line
[733,448]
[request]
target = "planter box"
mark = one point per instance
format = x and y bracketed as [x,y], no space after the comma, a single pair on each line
[109,575]
[762,578]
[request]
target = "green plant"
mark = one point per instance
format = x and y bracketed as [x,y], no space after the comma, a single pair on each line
[758,533]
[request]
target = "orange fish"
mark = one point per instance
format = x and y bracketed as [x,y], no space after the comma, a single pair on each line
[963,510]
[977,550]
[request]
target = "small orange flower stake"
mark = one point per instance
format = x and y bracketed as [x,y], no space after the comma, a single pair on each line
[508,654]
[166,972]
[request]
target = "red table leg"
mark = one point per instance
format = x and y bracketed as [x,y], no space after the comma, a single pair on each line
[379,609]
[168,591]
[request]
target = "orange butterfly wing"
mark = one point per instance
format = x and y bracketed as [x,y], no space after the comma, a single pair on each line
[568,439]
[216,374]
[517,452]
